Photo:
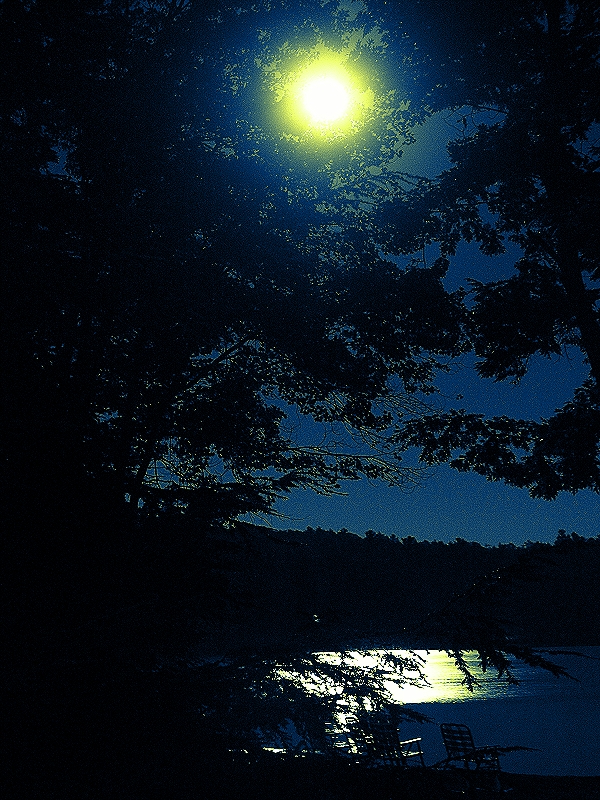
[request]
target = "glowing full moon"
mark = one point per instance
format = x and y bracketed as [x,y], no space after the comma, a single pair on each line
[325,99]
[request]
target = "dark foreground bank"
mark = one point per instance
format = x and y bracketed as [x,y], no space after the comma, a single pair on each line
[309,778]
[203,777]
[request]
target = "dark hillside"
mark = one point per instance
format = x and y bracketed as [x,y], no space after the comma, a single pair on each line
[560,605]
[320,586]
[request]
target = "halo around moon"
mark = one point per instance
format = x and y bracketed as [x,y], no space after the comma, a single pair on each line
[319,95]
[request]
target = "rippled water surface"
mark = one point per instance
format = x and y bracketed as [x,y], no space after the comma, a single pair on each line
[439,680]
[558,716]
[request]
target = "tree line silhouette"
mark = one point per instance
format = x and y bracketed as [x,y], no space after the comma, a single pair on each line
[339,588]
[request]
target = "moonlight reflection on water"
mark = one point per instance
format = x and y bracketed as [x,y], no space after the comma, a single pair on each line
[542,712]
[428,676]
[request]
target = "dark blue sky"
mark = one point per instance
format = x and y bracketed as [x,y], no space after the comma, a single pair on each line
[449,504]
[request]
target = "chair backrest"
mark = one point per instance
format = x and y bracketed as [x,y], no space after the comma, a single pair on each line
[459,745]
[382,739]
[355,735]
[458,740]
[383,742]
[372,738]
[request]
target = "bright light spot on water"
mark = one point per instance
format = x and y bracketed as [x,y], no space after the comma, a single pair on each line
[423,677]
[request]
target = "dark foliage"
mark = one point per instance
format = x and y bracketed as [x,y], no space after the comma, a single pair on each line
[180,279]
[333,590]
[524,172]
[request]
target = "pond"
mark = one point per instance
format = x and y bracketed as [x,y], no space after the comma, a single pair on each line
[557,716]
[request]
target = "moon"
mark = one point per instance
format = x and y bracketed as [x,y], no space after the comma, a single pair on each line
[325,99]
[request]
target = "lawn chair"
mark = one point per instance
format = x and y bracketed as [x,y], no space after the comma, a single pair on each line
[384,748]
[345,739]
[460,747]
[479,766]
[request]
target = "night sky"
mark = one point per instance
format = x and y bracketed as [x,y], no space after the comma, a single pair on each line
[448,504]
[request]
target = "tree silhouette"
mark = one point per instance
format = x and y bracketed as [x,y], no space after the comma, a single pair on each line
[182,280]
[173,300]
[524,171]
[160,318]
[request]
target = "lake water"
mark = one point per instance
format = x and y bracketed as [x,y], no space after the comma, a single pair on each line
[558,716]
